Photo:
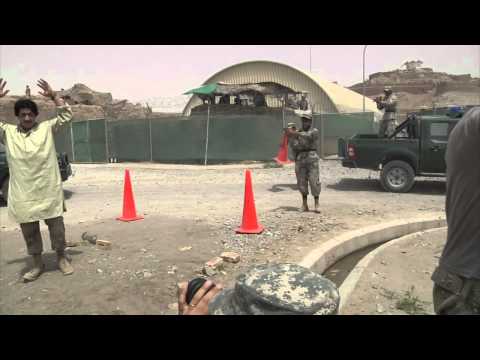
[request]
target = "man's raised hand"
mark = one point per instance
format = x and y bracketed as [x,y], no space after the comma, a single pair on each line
[47,89]
[2,87]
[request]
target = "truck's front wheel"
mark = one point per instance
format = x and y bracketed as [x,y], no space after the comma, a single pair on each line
[397,176]
[5,189]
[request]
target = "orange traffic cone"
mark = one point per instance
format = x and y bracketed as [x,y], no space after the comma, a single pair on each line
[250,223]
[129,212]
[282,156]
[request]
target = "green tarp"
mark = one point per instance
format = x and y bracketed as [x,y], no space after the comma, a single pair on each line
[203,90]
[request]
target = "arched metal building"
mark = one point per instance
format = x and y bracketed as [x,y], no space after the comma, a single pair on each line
[325,96]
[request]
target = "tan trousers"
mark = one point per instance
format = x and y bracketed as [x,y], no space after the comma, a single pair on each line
[33,238]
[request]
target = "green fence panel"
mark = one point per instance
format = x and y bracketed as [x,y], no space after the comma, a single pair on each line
[81,152]
[97,141]
[236,138]
[232,137]
[63,140]
[342,125]
[178,139]
[129,140]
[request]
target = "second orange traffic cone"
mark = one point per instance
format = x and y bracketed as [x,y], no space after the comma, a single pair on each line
[129,211]
[282,156]
[250,223]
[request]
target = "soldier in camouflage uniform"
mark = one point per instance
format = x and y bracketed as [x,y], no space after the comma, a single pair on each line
[389,104]
[304,104]
[280,289]
[304,147]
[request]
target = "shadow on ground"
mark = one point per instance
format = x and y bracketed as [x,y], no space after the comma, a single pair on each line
[283,187]
[49,259]
[67,194]
[287,208]
[426,187]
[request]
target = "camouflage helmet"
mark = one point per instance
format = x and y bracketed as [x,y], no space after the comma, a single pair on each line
[387,89]
[305,116]
[280,289]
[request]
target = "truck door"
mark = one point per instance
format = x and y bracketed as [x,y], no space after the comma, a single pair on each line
[434,145]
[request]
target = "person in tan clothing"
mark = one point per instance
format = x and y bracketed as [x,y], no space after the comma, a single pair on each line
[35,185]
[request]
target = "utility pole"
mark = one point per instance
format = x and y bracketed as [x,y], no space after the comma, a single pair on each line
[310,58]
[364,50]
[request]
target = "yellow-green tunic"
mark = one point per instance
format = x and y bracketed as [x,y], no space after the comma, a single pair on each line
[35,188]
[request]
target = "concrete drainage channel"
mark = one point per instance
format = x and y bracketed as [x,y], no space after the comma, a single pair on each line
[336,258]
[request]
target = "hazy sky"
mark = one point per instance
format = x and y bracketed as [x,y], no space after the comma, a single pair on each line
[139,72]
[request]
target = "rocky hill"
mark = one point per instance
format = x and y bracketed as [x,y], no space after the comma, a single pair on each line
[86,104]
[422,87]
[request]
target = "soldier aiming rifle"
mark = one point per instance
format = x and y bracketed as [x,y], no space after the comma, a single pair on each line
[389,104]
[304,145]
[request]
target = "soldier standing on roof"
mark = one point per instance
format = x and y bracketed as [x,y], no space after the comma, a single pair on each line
[304,145]
[389,104]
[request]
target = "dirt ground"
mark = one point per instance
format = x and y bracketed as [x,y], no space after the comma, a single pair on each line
[397,281]
[188,206]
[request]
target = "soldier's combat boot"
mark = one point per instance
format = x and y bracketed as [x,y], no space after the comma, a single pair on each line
[64,265]
[317,205]
[38,267]
[304,203]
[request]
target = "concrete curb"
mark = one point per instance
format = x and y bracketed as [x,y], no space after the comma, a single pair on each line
[333,250]
[350,283]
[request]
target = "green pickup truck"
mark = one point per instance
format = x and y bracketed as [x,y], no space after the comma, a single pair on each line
[63,164]
[416,148]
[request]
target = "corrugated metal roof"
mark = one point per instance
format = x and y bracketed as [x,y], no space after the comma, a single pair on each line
[326,96]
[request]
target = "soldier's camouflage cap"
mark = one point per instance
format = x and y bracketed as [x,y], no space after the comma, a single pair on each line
[280,289]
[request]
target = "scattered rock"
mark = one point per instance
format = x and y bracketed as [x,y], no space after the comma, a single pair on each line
[147,274]
[209,271]
[143,250]
[185,248]
[72,244]
[92,261]
[173,306]
[172,269]
[213,266]
[230,257]
[215,263]
[100,271]
[86,236]
[383,262]
[380,308]
[104,244]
